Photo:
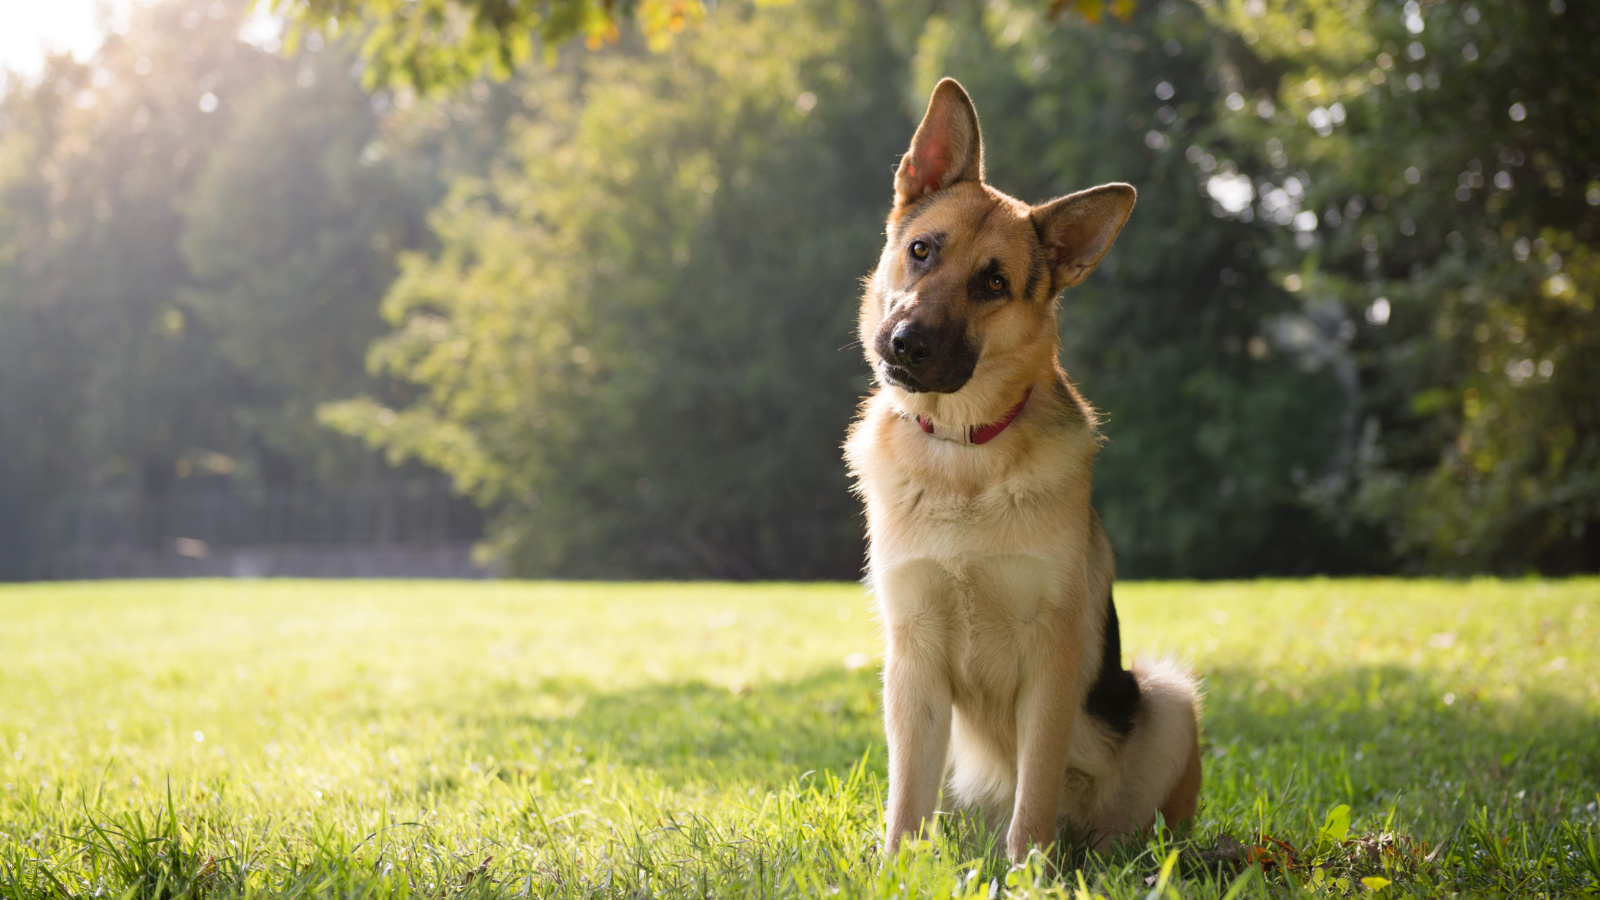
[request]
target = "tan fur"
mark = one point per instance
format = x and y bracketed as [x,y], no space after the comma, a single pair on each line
[989,564]
[1184,799]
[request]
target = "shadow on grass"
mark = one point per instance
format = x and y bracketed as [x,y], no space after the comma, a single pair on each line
[763,734]
[1368,736]
[1392,735]
[1505,782]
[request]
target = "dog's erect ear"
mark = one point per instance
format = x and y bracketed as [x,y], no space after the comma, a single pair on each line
[1077,230]
[946,149]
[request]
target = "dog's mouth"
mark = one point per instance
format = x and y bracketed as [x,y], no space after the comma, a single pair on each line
[900,378]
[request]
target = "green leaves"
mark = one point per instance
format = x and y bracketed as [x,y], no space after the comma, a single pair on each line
[441,44]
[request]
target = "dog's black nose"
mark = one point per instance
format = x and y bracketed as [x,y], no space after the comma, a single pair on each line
[911,344]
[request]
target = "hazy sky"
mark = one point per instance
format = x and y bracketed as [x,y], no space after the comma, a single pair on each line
[28,27]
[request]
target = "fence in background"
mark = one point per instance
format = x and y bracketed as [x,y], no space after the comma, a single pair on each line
[401,528]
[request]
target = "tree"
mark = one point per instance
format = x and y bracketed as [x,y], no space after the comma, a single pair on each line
[194,236]
[290,236]
[1449,170]
[101,375]
[1211,432]
[635,340]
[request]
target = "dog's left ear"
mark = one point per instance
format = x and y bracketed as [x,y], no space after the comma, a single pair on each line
[1077,230]
[947,148]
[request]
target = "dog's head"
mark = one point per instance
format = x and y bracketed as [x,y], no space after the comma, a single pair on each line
[963,296]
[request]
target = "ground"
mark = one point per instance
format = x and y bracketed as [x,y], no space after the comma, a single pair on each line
[351,739]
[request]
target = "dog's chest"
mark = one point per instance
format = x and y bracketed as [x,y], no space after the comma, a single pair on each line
[979,621]
[996,626]
[972,558]
[934,520]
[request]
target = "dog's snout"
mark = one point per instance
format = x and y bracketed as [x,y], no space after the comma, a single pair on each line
[919,355]
[911,344]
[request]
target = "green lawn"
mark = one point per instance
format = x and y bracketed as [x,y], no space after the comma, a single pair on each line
[283,738]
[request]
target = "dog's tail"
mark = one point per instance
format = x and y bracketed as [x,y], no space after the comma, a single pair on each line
[1160,762]
[1170,692]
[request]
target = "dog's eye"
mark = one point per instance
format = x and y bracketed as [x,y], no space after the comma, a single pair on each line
[920,249]
[996,284]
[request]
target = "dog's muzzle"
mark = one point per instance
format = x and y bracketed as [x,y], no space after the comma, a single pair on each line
[918,358]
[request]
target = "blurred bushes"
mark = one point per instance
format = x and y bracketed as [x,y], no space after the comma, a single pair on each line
[1350,327]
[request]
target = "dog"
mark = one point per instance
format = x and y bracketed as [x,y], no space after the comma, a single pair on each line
[1003,678]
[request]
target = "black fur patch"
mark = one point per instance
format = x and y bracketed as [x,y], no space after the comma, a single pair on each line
[978,285]
[1114,697]
[1036,272]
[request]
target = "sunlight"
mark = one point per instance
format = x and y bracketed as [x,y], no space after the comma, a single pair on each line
[29,30]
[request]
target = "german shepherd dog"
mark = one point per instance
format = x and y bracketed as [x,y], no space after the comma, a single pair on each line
[1003,679]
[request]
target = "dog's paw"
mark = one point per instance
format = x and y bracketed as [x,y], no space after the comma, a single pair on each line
[1022,842]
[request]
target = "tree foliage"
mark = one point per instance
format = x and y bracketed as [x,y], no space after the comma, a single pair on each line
[442,44]
[1210,434]
[290,236]
[192,247]
[1262,419]
[1350,326]
[99,374]
[1451,170]
[635,338]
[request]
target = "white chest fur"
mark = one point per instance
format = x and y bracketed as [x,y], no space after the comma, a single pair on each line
[976,622]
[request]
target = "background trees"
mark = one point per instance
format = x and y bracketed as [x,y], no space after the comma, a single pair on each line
[1213,434]
[636,337]
[194,236]
[102,373]
[1450,211]
[1350,326]
[639,337]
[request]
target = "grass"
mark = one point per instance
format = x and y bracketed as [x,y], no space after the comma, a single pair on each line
[165,740]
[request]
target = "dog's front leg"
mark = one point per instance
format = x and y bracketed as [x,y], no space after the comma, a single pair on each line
[916,714]
[1046,714]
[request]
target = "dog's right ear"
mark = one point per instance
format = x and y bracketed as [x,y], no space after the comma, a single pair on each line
[1077,230]
[947,148]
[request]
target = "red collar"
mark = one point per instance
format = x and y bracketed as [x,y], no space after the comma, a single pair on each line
[975,434]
